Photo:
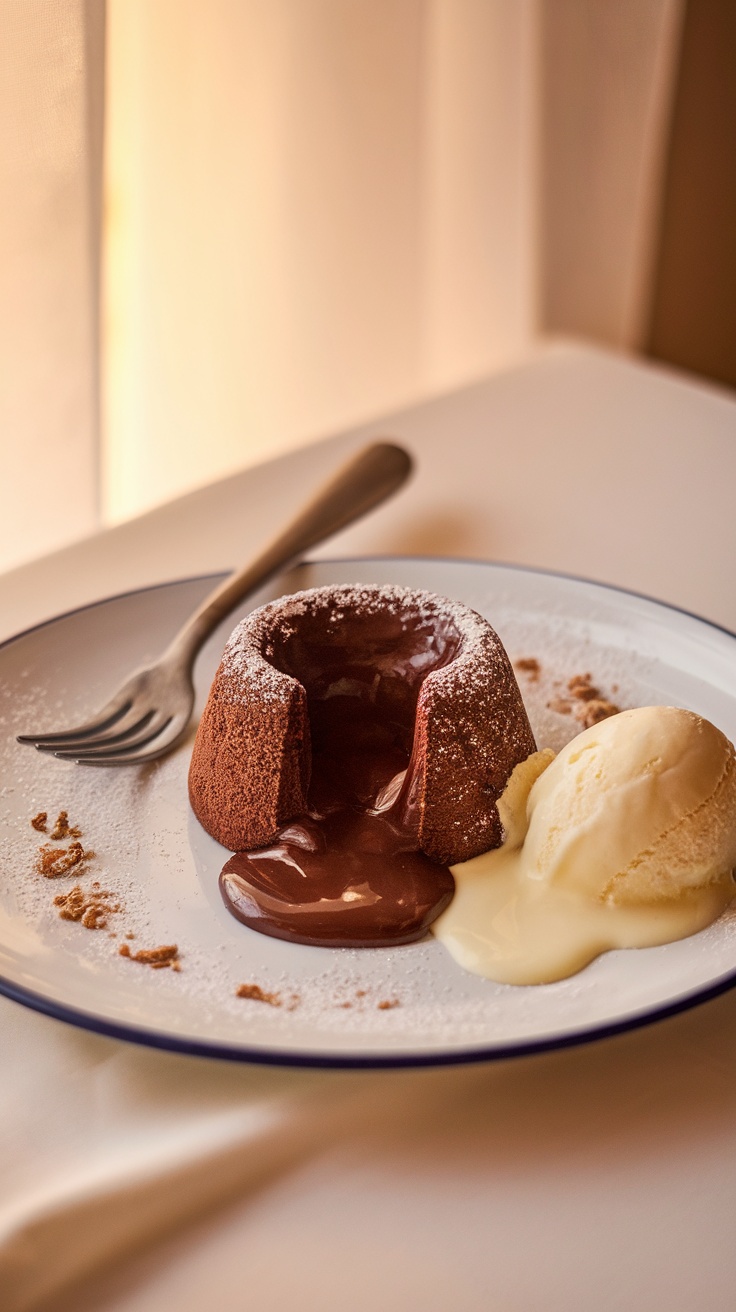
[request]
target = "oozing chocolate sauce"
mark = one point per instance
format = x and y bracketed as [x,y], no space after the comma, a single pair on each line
[348,873]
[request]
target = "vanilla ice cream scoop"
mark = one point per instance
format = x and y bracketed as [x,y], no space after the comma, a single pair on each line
[626,839]
[638,808]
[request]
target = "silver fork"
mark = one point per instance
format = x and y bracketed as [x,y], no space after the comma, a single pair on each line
[149,714]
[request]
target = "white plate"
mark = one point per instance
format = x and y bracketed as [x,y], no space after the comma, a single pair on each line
[163,868]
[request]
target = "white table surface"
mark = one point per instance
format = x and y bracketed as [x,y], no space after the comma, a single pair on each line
[602,1177]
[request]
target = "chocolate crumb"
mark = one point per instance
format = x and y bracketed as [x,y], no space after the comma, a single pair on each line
[39,822]
[582,688]
[53,862]
[592,712]
[130,934]
[62,829]
[160,958]
[588,704]
[530,666]
[388,1004]
[89,909]
[257,994]
[559,705]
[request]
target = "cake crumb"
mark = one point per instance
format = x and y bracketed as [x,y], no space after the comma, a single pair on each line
[592,712]
[560,705]
[62,829]
[583,700]
[581,687]
[530,666]
[257,994]
[388,1004]
[53,862]
[593,706]
[39,822]
[164,957]
[89,909]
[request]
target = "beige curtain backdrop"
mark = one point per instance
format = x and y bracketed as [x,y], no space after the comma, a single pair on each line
[51,66]
[315,211]
[606,85]
[318,211]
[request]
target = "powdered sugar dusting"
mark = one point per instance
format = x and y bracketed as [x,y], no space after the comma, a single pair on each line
[251,643]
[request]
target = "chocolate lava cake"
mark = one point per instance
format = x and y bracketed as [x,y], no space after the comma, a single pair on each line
[390,698]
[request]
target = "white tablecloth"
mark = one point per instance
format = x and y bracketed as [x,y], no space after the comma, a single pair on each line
[598,1177]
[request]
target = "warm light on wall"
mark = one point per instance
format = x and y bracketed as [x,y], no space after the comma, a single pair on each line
[314,213]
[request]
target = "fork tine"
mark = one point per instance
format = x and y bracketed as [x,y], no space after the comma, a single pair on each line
[145,758]
[73,735]
[170,735]
[102,756]
[110,740]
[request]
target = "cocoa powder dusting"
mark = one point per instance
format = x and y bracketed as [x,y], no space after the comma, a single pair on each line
[388,1004]
[161,958]
[592,712]
[62,829]
[530,666]
[581,687]
[257,994]
[89,908]
[560,705]
[356,1001]
[53,862]
[592,705]
[583,700]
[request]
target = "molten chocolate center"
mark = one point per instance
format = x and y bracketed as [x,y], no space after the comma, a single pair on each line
[349,873]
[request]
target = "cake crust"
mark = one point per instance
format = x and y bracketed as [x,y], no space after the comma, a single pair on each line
[251,763]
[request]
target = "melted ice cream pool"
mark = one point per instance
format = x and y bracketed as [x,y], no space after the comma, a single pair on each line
[626,839]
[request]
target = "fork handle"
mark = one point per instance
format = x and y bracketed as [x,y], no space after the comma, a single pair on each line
[364,482]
